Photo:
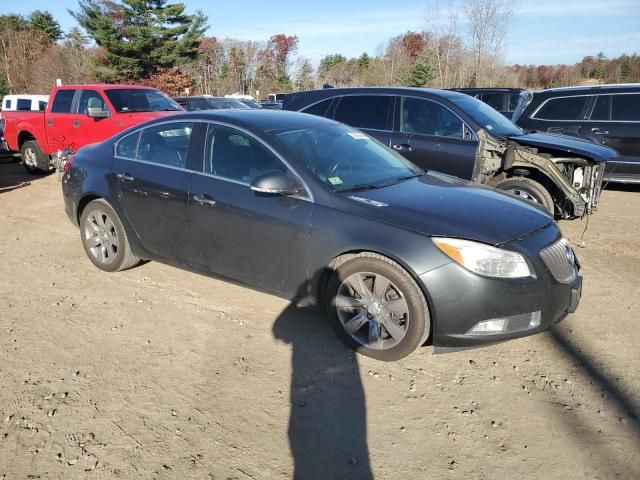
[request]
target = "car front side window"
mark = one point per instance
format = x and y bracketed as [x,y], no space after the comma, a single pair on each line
[234,155]
[90,99]
[425,117]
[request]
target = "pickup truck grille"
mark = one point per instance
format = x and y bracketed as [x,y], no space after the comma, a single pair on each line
[560,261]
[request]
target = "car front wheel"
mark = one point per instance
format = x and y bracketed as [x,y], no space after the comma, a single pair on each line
[104,238]
[529,190]
[378,308]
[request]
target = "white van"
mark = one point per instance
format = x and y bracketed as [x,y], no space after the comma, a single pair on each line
[34,103]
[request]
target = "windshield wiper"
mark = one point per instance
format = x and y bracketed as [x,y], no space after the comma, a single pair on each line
[402,178]
[136,110]
[361,186]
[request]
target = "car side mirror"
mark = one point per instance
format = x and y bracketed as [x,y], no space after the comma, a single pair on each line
[95,112]
[275,182]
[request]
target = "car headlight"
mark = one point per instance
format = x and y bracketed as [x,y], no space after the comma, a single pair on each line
[484,259]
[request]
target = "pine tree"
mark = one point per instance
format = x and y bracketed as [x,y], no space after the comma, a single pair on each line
[140,37]
[44,21]
[421,73]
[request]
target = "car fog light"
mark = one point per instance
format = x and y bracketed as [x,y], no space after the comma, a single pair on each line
[515,323]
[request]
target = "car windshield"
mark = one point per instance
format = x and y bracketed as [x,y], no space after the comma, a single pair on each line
[224,103]
[140,100]
[251,103]
[346,159]
[491,120]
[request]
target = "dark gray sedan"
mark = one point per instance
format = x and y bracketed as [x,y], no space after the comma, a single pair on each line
[311,209]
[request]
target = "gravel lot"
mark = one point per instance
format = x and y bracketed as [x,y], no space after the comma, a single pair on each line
[161,373]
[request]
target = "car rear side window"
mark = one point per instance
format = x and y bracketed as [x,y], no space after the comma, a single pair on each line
[165,144]
[7,104]
[602,108]
[564,108]
[23,104]
[126,147]
[364,111]
[320,109]
[234,155]
[62,101]
[625,107]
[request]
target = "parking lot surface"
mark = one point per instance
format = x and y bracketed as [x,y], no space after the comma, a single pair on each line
[160,373]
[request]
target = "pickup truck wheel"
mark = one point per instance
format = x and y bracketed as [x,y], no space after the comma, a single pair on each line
[33,159]
[104,238]
[528,189]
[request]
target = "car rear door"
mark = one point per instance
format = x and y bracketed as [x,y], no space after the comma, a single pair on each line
[615,122]
[151,177]
[373,114]
[58,120]
[255,238]
[433,137]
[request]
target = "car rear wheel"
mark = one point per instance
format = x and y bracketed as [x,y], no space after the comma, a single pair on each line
[33,159]
[528,189]
[378,308]
[104,238]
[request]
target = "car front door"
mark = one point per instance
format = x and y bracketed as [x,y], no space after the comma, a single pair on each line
[152,182]
[255,238]
[87,129]
[433,137]
[373,114]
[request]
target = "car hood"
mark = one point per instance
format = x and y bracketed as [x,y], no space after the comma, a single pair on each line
[440,205]
[579,146]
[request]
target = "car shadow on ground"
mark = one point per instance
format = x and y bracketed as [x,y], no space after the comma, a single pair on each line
[613,391]
[327,422]
[13,174]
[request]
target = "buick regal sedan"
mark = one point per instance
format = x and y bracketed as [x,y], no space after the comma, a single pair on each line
[311,209]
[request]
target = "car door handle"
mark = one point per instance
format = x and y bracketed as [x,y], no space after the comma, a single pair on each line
[166,195]
[403,147]
[125,177]
[49,122]
[76,123]
[202,200]
[437,147]
[597,131]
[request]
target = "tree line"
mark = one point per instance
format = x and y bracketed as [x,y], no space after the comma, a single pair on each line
[158,43]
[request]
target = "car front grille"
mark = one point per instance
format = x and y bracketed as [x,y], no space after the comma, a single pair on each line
[560,260]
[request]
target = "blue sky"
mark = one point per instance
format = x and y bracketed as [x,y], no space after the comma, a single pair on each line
[543,31]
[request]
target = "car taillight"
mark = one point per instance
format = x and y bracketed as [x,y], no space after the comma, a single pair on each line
[68,162]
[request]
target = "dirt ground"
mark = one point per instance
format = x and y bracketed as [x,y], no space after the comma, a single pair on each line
[161,373]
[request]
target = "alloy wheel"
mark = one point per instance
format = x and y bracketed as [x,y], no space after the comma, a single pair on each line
[523,194]
[29,157]
[372,310]
[101,237]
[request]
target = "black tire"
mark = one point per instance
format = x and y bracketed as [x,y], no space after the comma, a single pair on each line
[34,159]
[99,222]
[530,190]
[417,324]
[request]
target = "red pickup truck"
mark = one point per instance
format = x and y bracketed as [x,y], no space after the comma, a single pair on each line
[78,115]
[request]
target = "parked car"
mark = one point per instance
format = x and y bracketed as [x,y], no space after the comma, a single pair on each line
[24,102]
[504,100]
[605,114]
[311,209]
[208,102]
[454,133]
[78,115]
[251,103]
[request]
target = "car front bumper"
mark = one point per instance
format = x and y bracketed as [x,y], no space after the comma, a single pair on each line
[460,299]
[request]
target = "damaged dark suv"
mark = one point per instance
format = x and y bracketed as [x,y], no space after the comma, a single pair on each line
[453,133]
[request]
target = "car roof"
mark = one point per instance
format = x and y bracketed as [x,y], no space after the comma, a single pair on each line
[257,119]
[104,86]
[588,88]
